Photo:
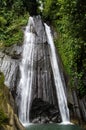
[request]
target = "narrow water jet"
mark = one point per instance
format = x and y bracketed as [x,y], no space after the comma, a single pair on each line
[26,69]
[62,101]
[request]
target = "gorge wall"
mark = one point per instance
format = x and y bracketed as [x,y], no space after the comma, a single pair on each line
[44,103]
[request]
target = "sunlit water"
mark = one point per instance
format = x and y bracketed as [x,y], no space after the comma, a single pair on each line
[62,101]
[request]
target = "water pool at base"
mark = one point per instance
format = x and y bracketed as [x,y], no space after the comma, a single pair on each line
[53,127]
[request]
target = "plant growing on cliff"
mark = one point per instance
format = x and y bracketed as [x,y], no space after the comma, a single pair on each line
[13,15]
[3,118]
[70,22]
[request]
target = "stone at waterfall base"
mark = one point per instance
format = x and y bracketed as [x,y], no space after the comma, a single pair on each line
[42,112]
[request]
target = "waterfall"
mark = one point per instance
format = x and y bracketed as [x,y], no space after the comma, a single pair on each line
[33,57]
[26,69]
[62,101]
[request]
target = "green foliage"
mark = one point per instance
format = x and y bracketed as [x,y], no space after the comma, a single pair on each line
[13,15]
[16,38]
[2,21]
[70,22]
[14,33]
[18,7]
[1,80]
[11,32]
[50,9]
[3,118]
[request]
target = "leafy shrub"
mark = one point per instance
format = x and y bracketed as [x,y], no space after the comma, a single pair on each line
[3,118]
[1,80]
[70,22]
[13,33]
[2,21]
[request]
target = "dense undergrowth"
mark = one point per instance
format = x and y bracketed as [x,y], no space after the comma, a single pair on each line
[13,16]
[69,20]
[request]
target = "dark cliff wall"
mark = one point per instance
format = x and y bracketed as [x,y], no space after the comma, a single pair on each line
[43,87]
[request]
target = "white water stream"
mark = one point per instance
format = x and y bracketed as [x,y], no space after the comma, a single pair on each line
[62,101]
[26,69]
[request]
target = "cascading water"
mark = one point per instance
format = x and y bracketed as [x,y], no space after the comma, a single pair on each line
[34,35]
[26,69]
[62,101]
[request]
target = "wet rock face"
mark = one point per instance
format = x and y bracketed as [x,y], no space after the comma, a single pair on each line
[77,108]
[39,30]
[9,64]
[43,87]
[43,112]
[44,108]
[43,83]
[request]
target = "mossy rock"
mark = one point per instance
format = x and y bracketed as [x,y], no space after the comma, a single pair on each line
[8,117]
[3,118]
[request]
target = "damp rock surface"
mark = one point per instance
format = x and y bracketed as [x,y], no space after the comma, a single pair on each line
[9,64]
[43,112]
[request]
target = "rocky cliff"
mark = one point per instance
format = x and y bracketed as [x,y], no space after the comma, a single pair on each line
[8,117]
[77,107]
[9,64]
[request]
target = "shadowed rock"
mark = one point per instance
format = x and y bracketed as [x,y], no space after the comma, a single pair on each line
[43,112]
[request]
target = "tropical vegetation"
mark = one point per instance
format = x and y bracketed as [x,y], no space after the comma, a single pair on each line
[69,20]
